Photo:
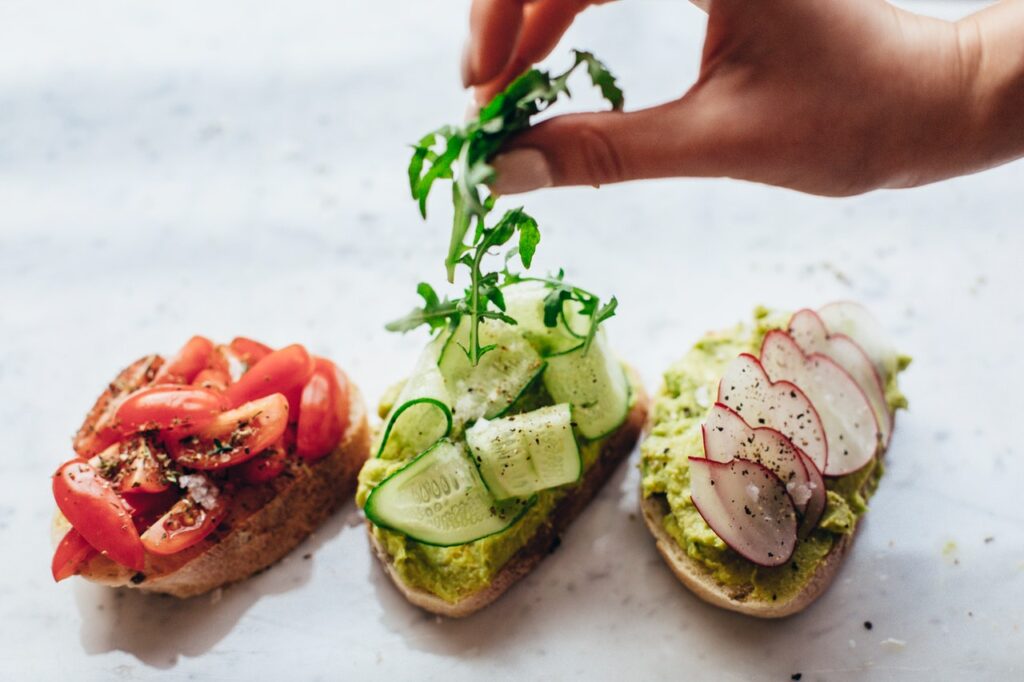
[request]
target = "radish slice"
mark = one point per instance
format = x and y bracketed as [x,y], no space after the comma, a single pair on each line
[811,334]
[727,436]
[850,426]
[854,320]
[747,506]
[746,388]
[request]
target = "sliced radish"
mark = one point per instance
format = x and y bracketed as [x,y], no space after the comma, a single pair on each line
[746,388]
[854,320]
[850,426]
[727,436]
[747,506]
[811,334]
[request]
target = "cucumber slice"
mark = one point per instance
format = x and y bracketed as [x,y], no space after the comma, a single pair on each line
[422,412]
[524,302]
[525,453]
[594,383]
[439,499]
[498,379]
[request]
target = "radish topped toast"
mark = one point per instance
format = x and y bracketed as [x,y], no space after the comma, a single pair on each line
[765,443]
[198,471]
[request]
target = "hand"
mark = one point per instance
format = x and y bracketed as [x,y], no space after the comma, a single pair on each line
[832,98]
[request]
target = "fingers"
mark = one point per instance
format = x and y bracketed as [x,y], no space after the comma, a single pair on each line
[494,27]
[675,139]
[509,36]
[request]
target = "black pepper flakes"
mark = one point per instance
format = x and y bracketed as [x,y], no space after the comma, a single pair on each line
[796,676]
[868,625]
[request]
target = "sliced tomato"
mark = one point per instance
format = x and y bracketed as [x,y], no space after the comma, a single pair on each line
[179,409]
[146,508]
[279,372]
[264,467]
[133,465]
[323,412]
[72,554]
[213,379]
[189,361]
[233,436]
[92,506]
[250,351]
[190,520]
[99,430]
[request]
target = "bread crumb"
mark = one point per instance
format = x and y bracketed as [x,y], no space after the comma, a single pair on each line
[893,644]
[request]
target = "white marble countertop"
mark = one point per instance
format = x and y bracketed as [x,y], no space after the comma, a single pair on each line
[172,168]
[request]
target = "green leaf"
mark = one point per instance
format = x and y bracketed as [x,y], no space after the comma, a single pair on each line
[529,237]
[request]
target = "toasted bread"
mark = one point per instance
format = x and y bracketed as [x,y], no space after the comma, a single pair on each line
[616,448]
[264,523]
[702,583]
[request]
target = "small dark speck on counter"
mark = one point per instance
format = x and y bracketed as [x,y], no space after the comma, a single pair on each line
[868,625]
[796,676]
[307,556]
[989,540]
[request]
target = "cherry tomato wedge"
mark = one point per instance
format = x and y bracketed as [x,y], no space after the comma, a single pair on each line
[146,508]
[264,467]
[133,465]
[180,409]
[233,436]
[213,379]
[100,429]
[190,520]
[72,554]
[92,506]
[323,412]
[250,351]
[184,366]
[278,372]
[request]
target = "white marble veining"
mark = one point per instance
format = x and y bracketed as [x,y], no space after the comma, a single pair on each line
[171,168]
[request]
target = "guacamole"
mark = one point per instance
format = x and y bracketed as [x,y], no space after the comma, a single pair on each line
[689,391]
[451,573]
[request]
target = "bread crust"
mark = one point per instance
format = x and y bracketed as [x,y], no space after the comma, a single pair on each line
[616,448]
[264,523]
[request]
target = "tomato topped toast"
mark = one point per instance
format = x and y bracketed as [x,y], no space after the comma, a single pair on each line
[198,471]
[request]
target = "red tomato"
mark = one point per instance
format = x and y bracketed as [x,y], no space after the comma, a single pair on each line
[181,409]
[72,554]
[264,467]
[233,436]
[146,508]
[323,414]
[278,372]
[250,351]
[133,465]
[184,367]
[190,520]
[94,509]
[213,379]
[99,429]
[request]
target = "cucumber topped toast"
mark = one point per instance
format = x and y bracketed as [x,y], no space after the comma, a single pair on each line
[517,409]
[765,444]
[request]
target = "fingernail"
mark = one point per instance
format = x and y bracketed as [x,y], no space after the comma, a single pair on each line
[467,66]
[472,108]
[521,170]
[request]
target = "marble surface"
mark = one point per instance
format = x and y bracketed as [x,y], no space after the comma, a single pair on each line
[226,168]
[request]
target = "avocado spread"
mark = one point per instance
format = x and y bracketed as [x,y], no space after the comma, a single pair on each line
[683,402]
[451,573]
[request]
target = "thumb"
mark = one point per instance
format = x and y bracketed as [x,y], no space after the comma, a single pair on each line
[599,148]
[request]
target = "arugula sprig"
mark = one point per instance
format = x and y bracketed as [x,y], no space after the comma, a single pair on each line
[462,155]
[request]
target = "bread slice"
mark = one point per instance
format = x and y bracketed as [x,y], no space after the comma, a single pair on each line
[615,449]
[264,523]
[702,582]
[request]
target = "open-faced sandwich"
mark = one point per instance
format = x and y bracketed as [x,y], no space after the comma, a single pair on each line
[198,471]
[516,412]
[765,444]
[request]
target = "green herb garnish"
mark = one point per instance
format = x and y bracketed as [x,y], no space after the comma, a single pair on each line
[462,155]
